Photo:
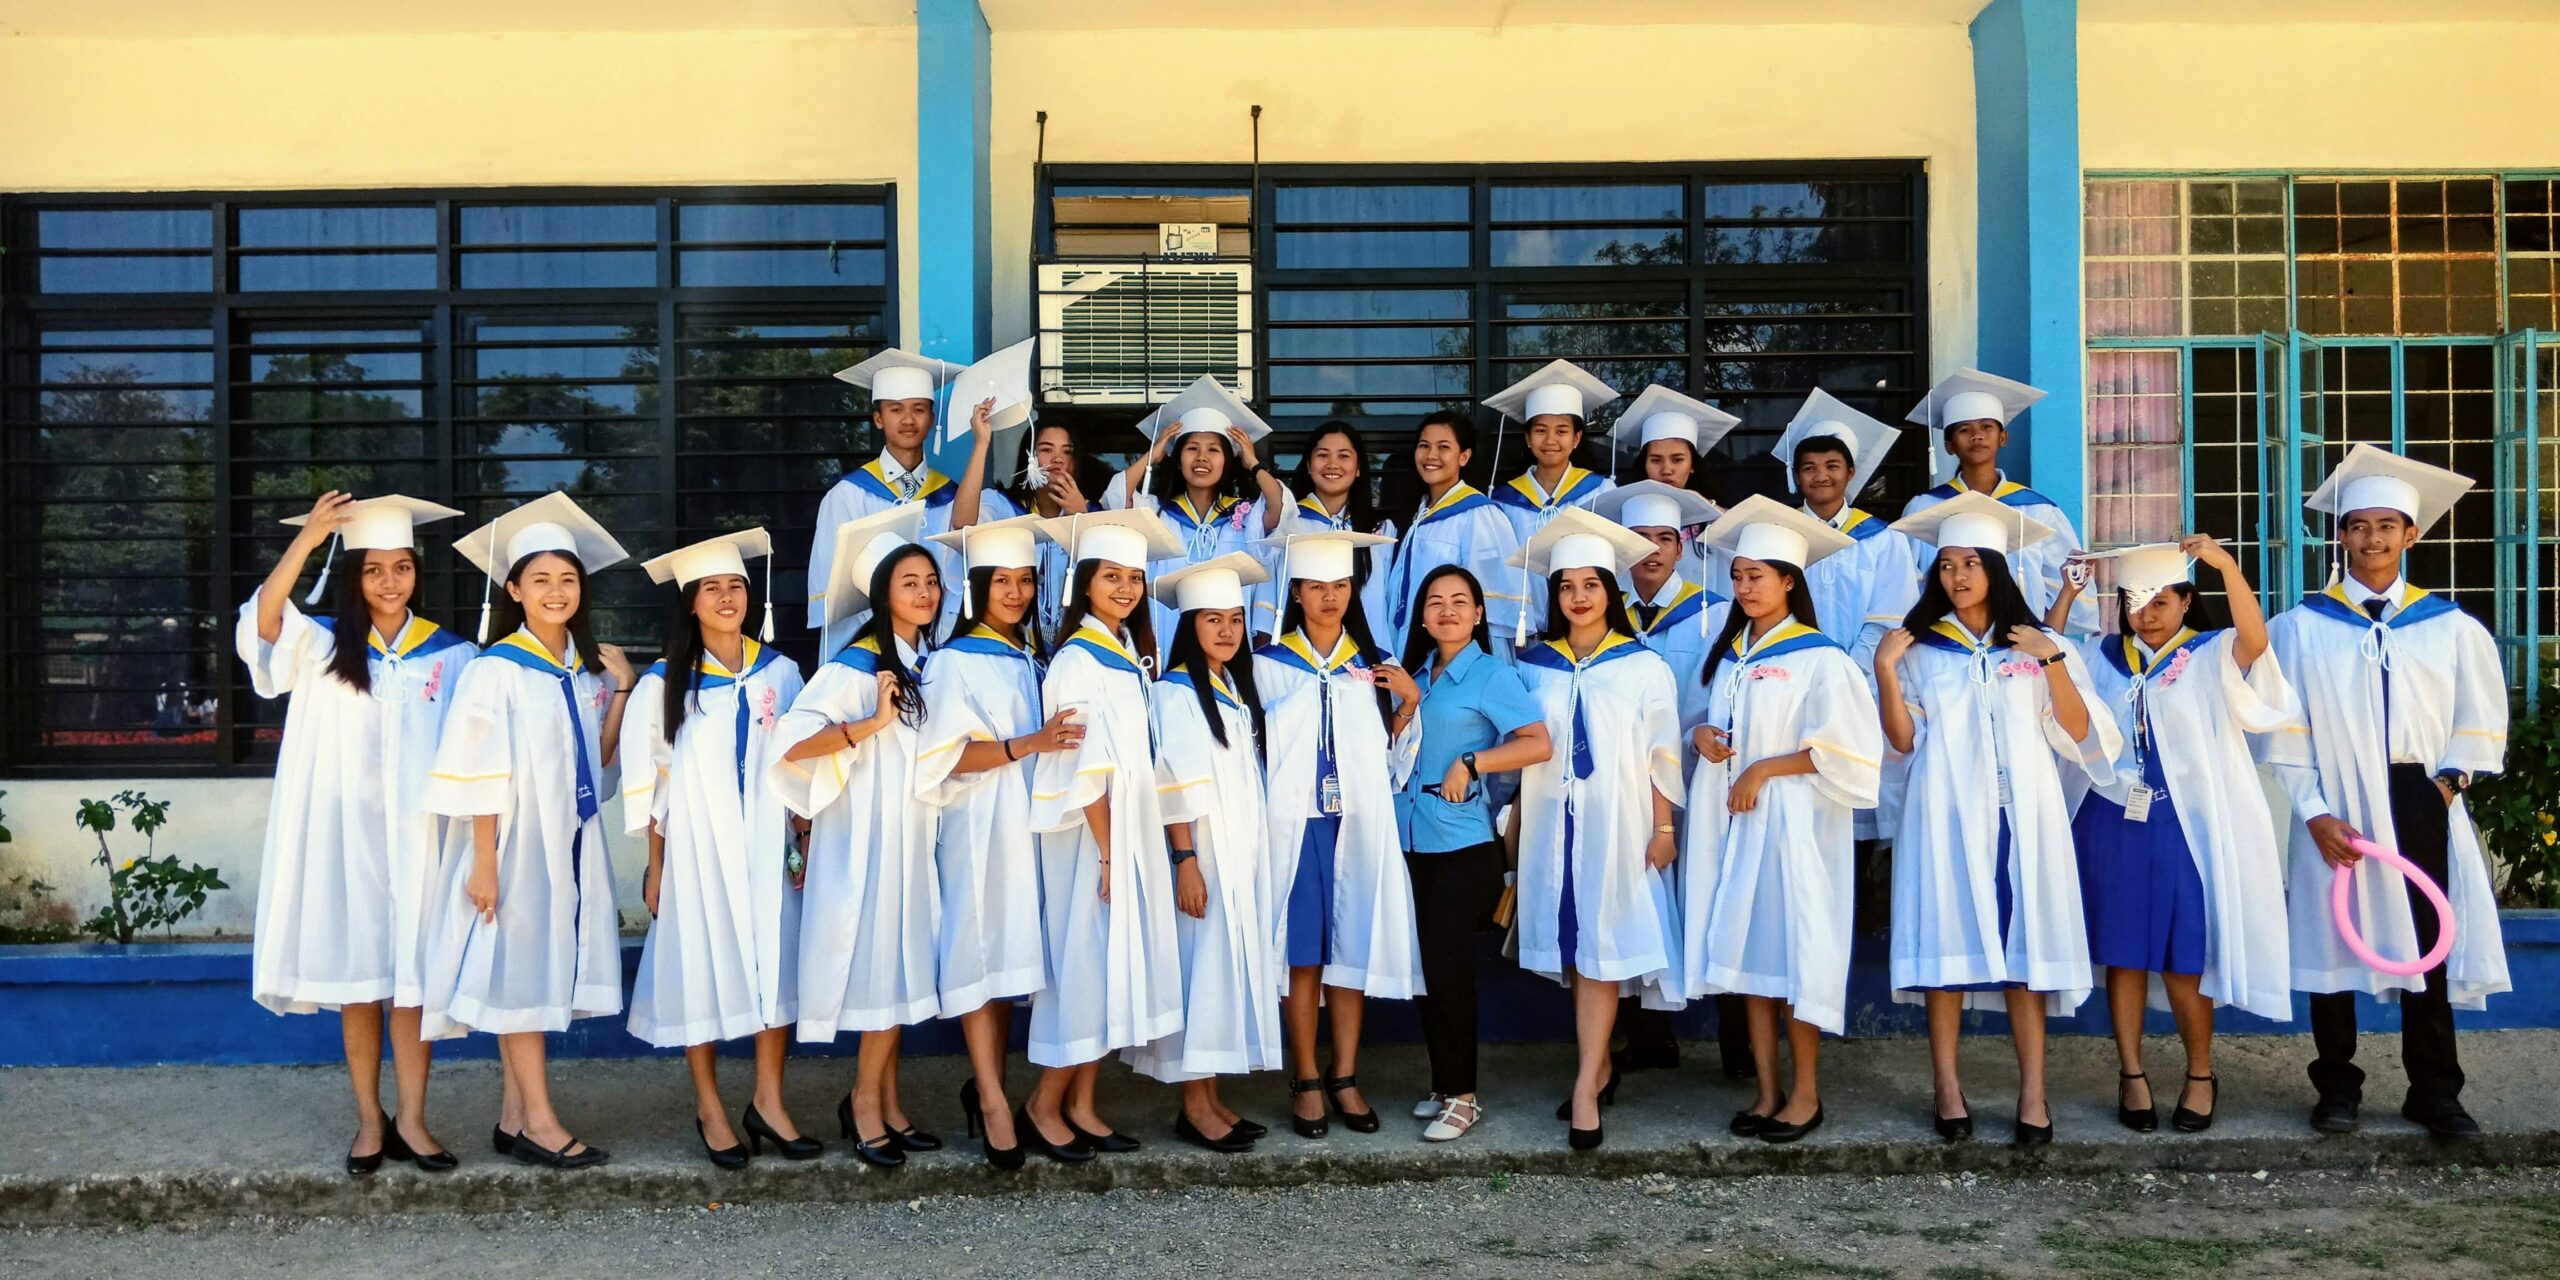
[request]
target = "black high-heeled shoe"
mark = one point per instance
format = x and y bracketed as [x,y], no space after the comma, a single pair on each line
[2138,1119]
[2187,1121]
[1252,1131]
[760,1132]
[732,1157]
[2025,1135]
[1228,1143]
[501,1141]
[395,1147]
[1304,1127]
[1956,1128]
[1583,1139]
[883,1152]
[1109,1144]
[1608,1097]
[532,1152]
[1779,1131]
[360,1166]
[973,1119]
[1355,1121]
[1027,1137]
[1747,1123]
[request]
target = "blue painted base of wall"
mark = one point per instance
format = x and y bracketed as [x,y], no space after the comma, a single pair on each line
[90,1006]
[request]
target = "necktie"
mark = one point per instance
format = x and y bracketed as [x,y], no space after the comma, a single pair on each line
[2374,608]
[1646,613]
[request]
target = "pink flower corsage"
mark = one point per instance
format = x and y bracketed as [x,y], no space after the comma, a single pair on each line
[1770,673]
[604,694]
[1364,675]
[772,699]
[2023,667]
[2177,667]
[435,679]
[1236,516]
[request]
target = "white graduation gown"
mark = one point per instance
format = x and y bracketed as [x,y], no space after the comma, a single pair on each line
[1231,524]
[870,904]
[1974,711]
[349,867]
[2448,711]
[1529,507]
[2202,709]
[1766,895]
[1231,963]
[720,956]
[2038,569]
[1689,622]
[1463,528]
[1115,969]
[980,688]
[866,490]
[1618,713]
[1858,595]
[1375,948]
[509,749]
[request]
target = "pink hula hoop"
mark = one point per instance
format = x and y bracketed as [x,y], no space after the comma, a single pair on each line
[2345,919]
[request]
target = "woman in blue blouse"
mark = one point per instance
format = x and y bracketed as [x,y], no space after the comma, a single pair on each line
[1469,716]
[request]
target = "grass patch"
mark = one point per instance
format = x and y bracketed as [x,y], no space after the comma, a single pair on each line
[2079,1250]
[1874,1226]
[1963,1273]
[1774,1266]
[1956,1232]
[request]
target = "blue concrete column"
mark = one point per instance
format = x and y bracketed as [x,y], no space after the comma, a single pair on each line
[2026,100]
[954,83]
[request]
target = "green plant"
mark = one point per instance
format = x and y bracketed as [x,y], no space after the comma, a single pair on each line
[29,912]
[147,892]
[2518,811]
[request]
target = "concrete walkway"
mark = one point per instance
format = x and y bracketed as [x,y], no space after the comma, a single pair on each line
[157,1144]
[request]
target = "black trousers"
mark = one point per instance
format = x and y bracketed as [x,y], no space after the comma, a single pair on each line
[1453,895]
[1650,1030]
[2420,819]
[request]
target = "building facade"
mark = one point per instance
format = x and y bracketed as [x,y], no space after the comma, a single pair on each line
[476,251]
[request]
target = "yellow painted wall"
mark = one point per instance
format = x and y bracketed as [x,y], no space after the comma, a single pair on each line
[519,108]
[1553,93]
[2342,96]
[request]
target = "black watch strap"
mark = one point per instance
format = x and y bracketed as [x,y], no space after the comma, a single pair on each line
[1469,760]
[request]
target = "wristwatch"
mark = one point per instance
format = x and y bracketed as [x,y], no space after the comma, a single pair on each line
[2047,662]
[1469,760]
[1181,856]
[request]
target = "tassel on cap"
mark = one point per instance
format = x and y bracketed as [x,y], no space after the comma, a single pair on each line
[966,612]
[484,610]
[765,633]
[322,582]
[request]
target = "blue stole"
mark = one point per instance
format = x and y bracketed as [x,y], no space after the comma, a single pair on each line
[2331,602]
[1461,499]
[937,491]
[1788,637]
[1691,601]
[1553,655]
[1859,525]
[1522,490]
[709,674]
[526,652]
[2008,492]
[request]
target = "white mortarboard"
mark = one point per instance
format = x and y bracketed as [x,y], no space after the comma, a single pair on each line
[900,375]
[551,522]
[1822,414]
[1651,504]
[1660,413]
[2369,478]
[1004,377]
[1560,387]
[1216,583]
[387,523]
[712,557]
[2143,572]
[1131,538]
[1311,551]
[1967,395]
[1974,520]
[1763,528]
[861,546]
[994,544]
[1205,406]
[1578,539]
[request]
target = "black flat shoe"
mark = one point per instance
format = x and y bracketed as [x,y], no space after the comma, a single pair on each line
[1109,1144]
[1583,1139]
[1779,1131]
[1747,1123]
[2138,1119]
[1355,1121]
[1608,1097]
[1027,1137]
[759,1133]
[501,1141]
[731,1157]
[912,1138]
[882,1152]
[532,1152]
[2336,1116]
[396,1147]
[1956,1128]
[1252,1132]
[1304,1127]
[2448,1123]
[1225,1144]
[2187,1121]
[359,1166]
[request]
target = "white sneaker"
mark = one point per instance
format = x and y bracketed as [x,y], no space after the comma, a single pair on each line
[1428,1107]
[1457,1115]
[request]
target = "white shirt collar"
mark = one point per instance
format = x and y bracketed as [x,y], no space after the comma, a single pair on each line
[893,471]
[2395,593]
[1836,517]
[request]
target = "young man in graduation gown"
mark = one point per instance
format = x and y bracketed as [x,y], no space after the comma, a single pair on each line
[1970,413]
[1669,434]
[2402,707]
[903,388]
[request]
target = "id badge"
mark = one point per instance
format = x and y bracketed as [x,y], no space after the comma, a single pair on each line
[2137,803]
[1329,795]
[2001,775]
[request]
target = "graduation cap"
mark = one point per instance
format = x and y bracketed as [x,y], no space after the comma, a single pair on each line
[552,522]
[1204,406]
[1012,543]
[900,375]
[2370,478]
[1004,377]
[1660,413]
[1651,504]
[1130,538]
[1579,539]
[387,523]
[1216,583]
[861,547]
[1763,528]
[1822,414]
[1968,395]
[2145,571]
[714,557]
[1560,386]
[1974,520]
[1311,551]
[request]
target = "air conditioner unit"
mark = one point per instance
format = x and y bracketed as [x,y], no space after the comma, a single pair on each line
[1126,332]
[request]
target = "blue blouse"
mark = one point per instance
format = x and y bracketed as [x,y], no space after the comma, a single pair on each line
[1475,704]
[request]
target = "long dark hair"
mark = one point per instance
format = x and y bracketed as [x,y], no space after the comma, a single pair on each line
[1616,608]
[2202,614]
[981,581]
[1141,624]
[507,613]
[352,626]
[1355,624]
[1187,656]
[683,654]
[1170,483]
[1419,646]
[1462,428]
[1025,499]
[1799,607]
[2008,604]
[1359,506]
[882,631]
